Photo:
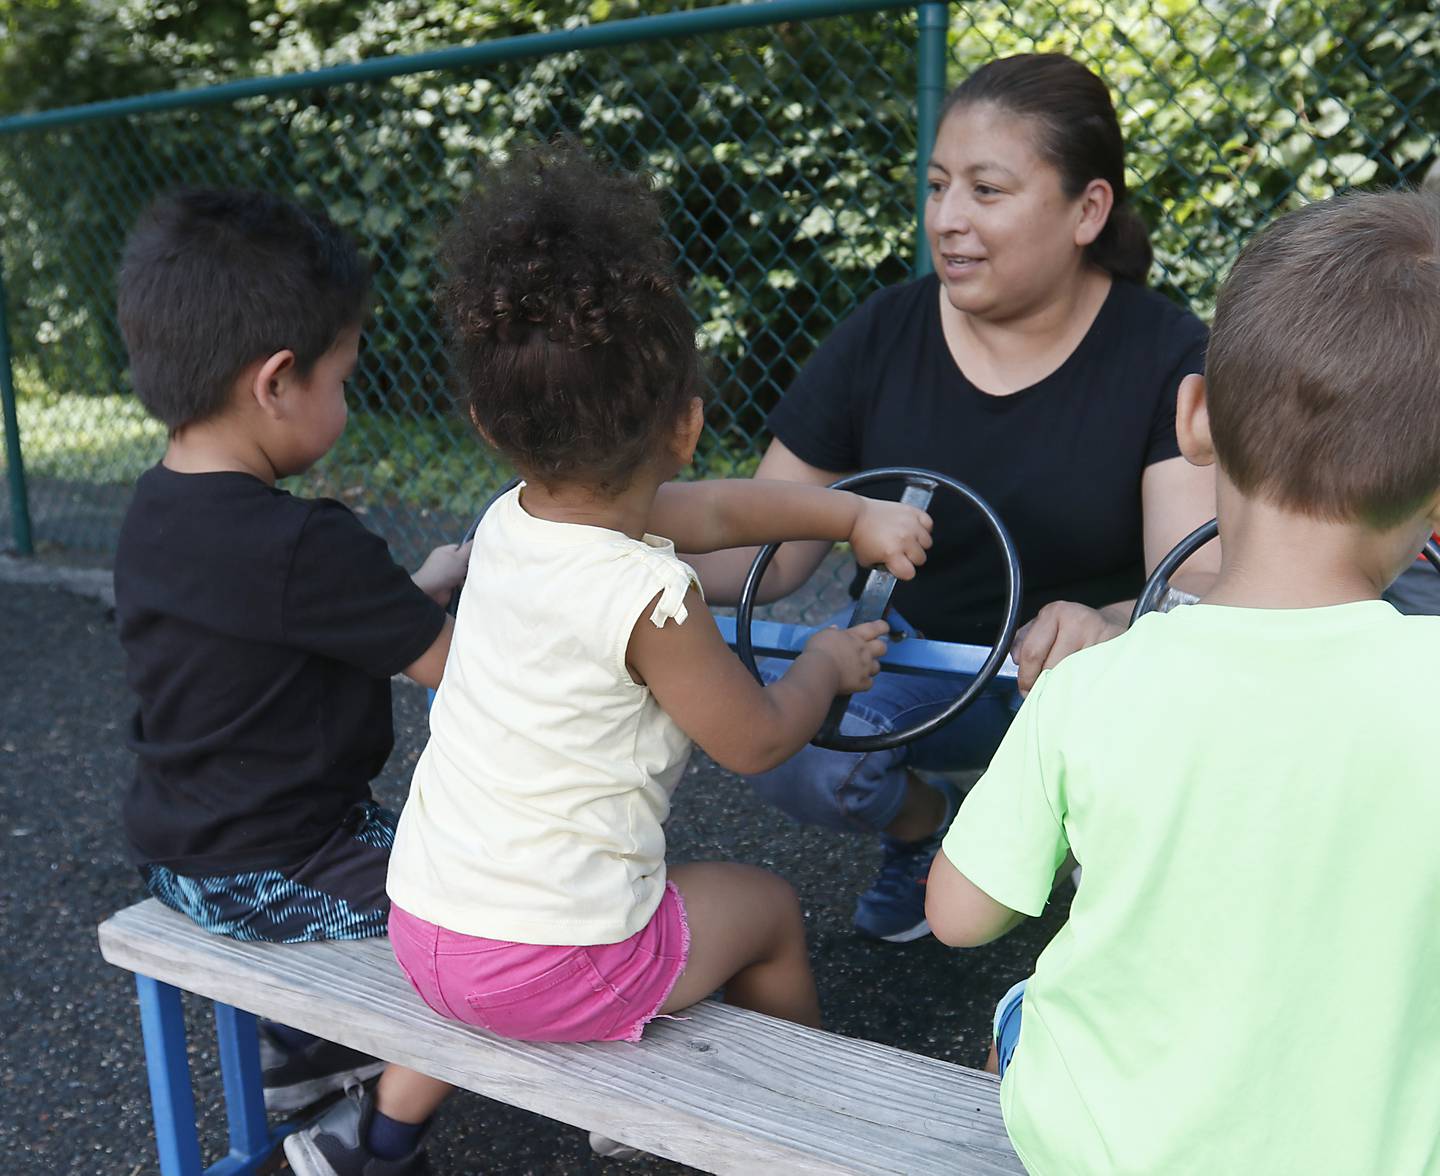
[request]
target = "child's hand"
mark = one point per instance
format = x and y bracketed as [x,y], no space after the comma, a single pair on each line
[892,534]
[855,653]
[443,571]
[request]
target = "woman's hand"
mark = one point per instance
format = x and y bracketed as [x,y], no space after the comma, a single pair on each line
[890,533]
[1058,630]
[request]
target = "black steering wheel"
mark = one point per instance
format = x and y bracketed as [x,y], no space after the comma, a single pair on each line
[920,487]
[1159,582]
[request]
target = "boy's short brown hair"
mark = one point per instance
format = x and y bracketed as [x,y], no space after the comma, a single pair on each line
[1323,369]
[214,279]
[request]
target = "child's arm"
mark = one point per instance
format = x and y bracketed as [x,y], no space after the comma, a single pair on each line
[442,572]
[997,863]
[959,912]
[702,517]
[346,598]
[743,726]
[431,664]
[723,572]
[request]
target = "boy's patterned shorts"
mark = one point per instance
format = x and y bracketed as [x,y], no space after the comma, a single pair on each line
[336,893]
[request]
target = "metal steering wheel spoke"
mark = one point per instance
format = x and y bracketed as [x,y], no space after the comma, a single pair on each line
[880,584]
[875,596]
[920,487]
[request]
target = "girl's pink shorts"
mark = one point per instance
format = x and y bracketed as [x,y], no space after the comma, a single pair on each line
[536,992]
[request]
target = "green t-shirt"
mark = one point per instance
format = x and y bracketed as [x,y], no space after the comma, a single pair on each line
[1249,981]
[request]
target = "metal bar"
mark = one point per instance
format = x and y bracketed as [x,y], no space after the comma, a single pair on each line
[615,32]
[19,495]
[934,22]
[913,655]
[162,1023]
[874,601]
[879,583]
[250,1139]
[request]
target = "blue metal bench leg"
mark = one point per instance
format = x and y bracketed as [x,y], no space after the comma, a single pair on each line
[251,1140]
[163,1024]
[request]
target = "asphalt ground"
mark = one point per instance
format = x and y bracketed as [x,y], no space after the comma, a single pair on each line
[73,1097]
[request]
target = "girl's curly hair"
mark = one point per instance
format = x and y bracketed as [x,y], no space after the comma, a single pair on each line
[572,344]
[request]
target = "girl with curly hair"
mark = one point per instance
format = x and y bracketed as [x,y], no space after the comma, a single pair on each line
[531,894]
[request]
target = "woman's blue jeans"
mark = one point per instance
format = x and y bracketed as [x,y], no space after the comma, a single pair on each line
[863,791]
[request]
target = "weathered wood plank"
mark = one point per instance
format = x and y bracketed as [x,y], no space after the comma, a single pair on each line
[723,1090]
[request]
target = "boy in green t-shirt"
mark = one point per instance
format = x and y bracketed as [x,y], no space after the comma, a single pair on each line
[1249,980]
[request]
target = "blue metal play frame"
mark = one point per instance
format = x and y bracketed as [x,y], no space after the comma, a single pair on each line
[252,1142]
[908,655]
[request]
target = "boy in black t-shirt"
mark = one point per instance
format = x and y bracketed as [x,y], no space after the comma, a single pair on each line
[260,629]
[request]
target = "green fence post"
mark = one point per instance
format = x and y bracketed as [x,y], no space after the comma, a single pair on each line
[930,89]
[19,502]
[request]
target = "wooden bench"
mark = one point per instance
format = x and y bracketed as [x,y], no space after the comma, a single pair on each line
[723,1090]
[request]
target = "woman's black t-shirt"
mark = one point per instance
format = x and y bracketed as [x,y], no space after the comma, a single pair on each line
[260,632]
[1060,461]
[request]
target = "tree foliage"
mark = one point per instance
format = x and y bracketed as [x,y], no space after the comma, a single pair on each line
[789,150]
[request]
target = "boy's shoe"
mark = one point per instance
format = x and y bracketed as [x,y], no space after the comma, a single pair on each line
[613,1149]
[334,1143]
[295,1078]
[893,909]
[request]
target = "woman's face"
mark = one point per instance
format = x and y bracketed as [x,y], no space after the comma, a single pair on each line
[1003,235]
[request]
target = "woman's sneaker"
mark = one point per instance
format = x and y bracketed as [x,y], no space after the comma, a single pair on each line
[334,1143]
[893,909]
[295,1077]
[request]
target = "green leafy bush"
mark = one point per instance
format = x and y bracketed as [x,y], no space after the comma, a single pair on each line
[788,152]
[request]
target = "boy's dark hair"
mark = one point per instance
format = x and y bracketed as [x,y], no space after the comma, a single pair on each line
[1323,368]
[572,344]
[214,279]
[1077,133]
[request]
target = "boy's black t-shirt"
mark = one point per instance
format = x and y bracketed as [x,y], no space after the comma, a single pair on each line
[1060,462]
[260,632]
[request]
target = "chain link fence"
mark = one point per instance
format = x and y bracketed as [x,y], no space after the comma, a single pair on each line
[788,149]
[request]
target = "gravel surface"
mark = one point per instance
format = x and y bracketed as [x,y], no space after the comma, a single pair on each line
[71,1064]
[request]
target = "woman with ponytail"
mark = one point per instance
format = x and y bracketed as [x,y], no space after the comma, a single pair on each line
[1035,366]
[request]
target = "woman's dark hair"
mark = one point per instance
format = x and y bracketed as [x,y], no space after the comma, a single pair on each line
[1077,134]
[572,344]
